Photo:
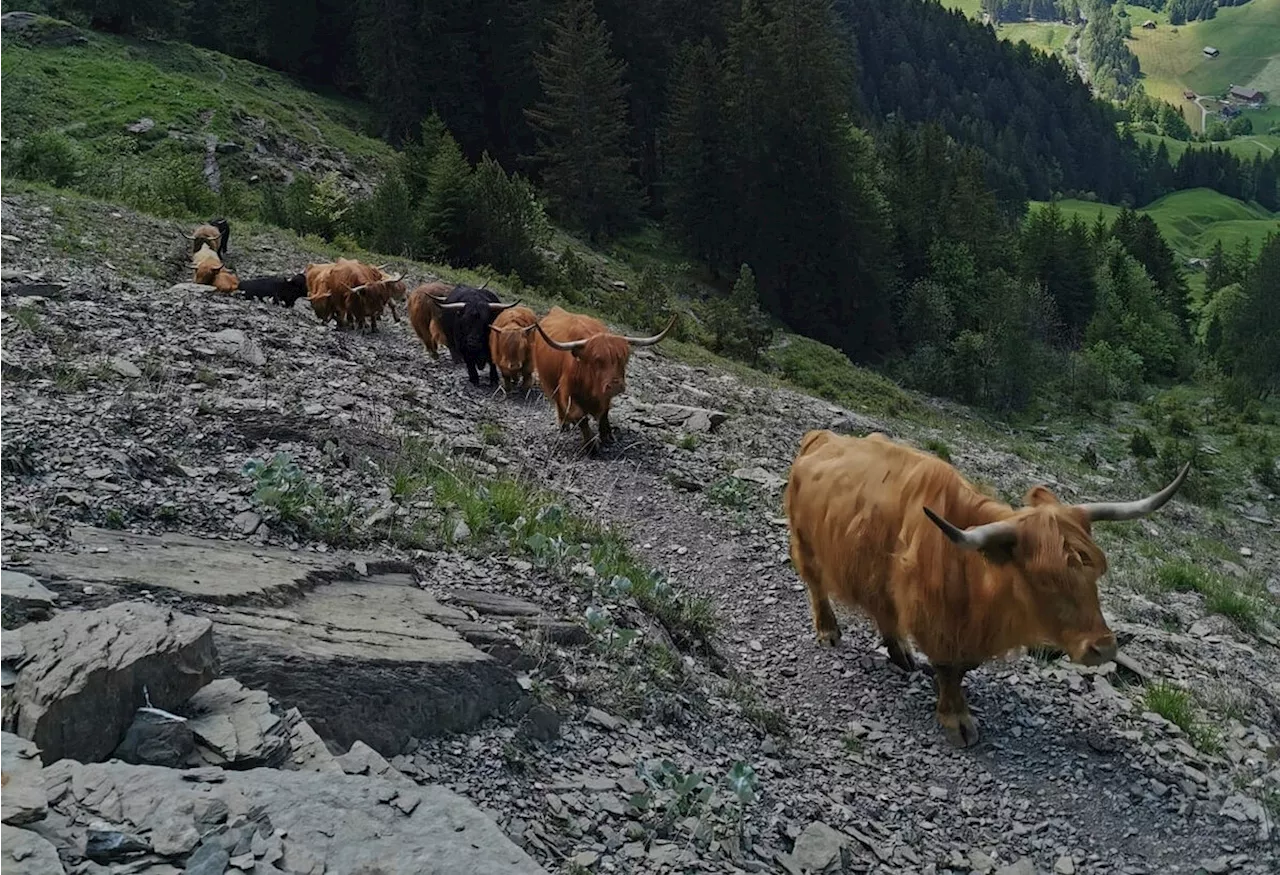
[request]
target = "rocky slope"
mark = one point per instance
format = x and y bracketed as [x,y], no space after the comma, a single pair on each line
[133,405]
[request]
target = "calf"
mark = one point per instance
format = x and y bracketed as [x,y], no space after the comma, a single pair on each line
[900,534]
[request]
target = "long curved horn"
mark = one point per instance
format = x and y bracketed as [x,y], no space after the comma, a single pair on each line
[570,346]
[514,303]
[483,284]
[439,299]
[1118,511]
[459,305]
[977,537]
[529,328]
[359,288]
[391,277]
[650,341]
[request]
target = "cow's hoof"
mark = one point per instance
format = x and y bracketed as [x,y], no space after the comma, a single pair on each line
[829,637]
[961,729]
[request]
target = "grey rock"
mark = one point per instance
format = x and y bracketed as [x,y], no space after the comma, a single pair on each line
[323,822]
[27,853]
[818,848]
[541,723]
[494,603]
[20,756]
[237,728]
[1022,866]
[85,673]
[364,760]
[209,859]
[124,367]
[141,126]
[601,718]
[349,643]
[247,522]
[235,343]
[156,738]
[307,751]
[1064,866]
[461,532]
[23,599]
[23,802]
[219,572]
[759,475]
[104,844]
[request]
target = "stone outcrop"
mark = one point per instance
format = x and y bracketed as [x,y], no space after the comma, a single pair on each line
[304,822]
[81,675]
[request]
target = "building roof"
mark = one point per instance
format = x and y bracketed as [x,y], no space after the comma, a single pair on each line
[1245,93]
[1210,50]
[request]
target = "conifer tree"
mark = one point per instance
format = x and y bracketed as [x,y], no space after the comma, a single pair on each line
[442,215]
[695,151]
[583,134]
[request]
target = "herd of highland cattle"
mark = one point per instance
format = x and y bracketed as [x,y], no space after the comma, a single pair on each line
[874,524]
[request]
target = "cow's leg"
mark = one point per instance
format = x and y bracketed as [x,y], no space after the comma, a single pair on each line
[606,429]
[589,440]
[825,626]
[953,710]
[493,374]
[899,653]
[472,374]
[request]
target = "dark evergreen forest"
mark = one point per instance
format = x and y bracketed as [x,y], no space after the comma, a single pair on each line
[870,160]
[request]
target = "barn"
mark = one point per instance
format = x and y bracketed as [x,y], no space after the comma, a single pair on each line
[1248,95]
[1210,52]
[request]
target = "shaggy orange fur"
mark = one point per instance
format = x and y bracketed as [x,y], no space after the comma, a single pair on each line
[424,315]
[225,281]
[509,347]
[584,382]
[860,537]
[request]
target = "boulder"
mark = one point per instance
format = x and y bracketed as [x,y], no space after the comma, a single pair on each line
[26,853]
[304,822]
[156,738]
[83,674]
[238,728]
[23,599]
[307,751]
[367,659]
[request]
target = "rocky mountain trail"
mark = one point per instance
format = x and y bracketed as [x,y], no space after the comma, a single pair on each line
[410,619]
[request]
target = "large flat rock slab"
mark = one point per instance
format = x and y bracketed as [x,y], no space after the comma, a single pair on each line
[23,599]
[82,675]
[304,822]
[220,572]
[368,659]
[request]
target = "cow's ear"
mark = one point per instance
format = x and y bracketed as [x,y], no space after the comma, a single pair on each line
[577,351]
[1038,496]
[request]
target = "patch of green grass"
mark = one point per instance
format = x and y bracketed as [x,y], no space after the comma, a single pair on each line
[490,433]
[730,492]
[688,442]
[851,743]
[1221,595]
[828,373]
[1176,705]
[513,515]
[1049,37]
[1190,221]
[938,447]
[27,318]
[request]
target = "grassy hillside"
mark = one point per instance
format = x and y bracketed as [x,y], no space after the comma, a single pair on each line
[1245,147]
[1192,221]
[91,92]
[1049,37]
[1171,57]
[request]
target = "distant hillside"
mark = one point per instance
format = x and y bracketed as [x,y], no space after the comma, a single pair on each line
[262,122]
[1247,37]
[1192,221]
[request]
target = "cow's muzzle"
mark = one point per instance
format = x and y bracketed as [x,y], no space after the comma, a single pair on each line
[1099,650]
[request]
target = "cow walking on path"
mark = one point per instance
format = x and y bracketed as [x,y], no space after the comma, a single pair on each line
[900,534]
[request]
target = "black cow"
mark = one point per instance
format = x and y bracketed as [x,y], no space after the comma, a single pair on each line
[224,228]
[466,314]
[284,290]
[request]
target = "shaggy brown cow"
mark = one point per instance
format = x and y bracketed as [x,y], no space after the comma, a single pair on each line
[375,290]
[328,300]
[581,367]
[902,535]
[205,235]
[509,347]
[424,315]
[206,264]
[226,281]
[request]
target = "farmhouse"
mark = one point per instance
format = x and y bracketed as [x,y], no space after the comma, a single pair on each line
[1148,25]
[1210,52]
[1248,95]
[1189,94]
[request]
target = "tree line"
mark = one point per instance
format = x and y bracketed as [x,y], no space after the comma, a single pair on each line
[870,161]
